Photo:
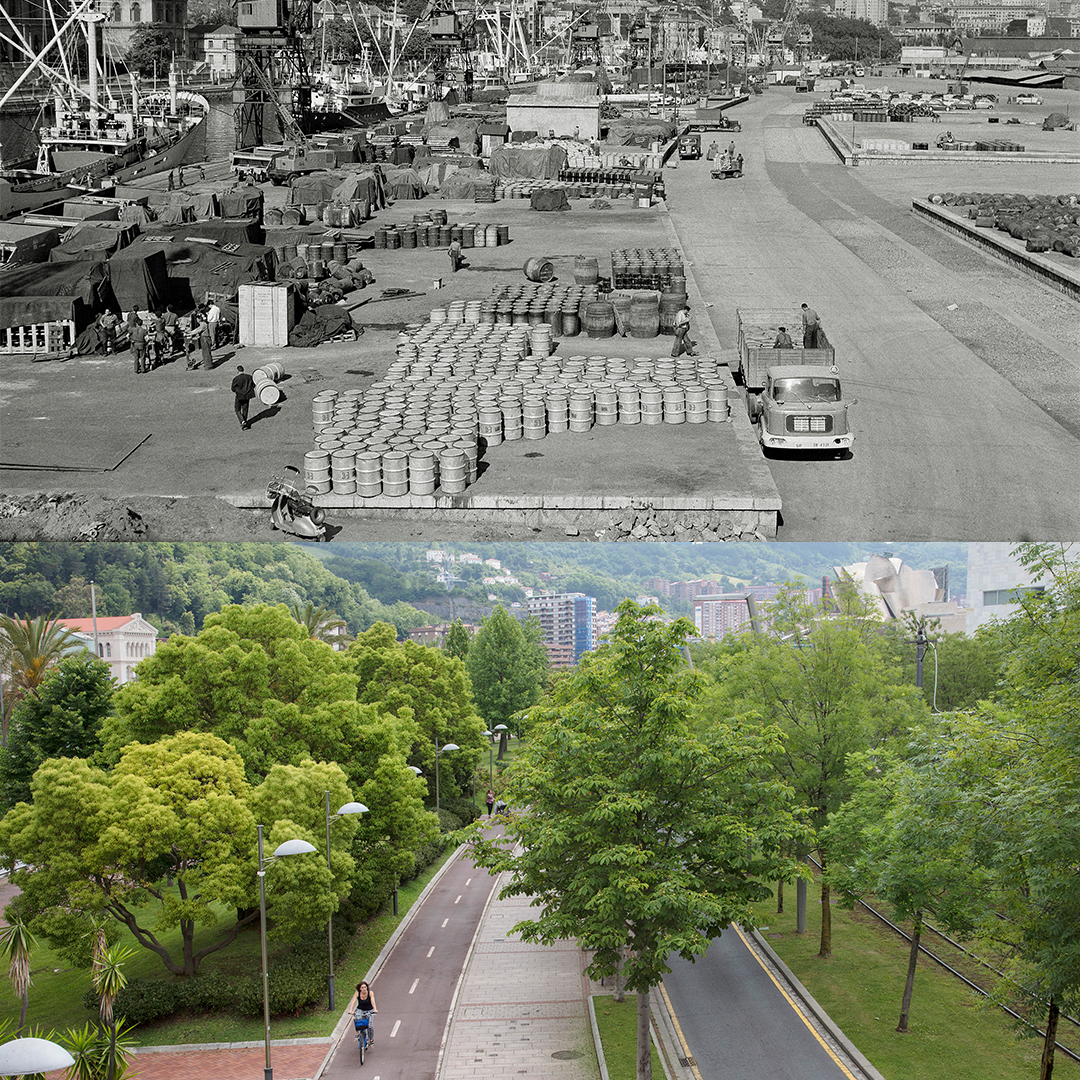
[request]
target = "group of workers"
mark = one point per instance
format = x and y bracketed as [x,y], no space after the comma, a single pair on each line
[155,336]
[725,161]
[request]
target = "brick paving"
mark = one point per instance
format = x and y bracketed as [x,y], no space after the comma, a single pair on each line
[522,1009]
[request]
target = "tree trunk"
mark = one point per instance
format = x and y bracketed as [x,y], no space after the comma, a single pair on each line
[22,1012]
[780,898]
[502,746]
[619,994]
[187,932]
[1046,1066]
[112,1050]
[644,1054]
[826,914]
[909,985]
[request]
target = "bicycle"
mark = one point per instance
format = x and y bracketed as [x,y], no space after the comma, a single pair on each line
[362,1024]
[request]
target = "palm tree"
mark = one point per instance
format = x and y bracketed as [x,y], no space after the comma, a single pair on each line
[109,979]
[28,649]
[16,941]
[317,621]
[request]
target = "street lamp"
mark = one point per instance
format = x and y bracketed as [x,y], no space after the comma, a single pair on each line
[491,759]
[23,1057]
[290,847]
[438,751]
[343,811]
[500,728]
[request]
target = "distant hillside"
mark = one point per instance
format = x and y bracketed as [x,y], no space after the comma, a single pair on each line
[176,586]
[613,571]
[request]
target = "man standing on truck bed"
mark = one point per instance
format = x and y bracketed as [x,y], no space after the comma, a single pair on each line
[810,325]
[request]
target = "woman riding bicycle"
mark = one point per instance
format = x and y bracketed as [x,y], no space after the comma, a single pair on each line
[365,1005]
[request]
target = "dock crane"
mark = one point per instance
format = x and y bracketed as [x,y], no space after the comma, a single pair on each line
[453,33]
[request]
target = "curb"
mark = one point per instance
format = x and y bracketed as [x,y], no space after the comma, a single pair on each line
[819,1013]
[660,1030]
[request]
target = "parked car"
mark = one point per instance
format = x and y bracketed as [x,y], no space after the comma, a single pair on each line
[983,103]
[1028,99]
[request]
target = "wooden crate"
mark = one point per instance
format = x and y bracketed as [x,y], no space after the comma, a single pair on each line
[42,338]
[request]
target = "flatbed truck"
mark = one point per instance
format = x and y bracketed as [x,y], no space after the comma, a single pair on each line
[793,395]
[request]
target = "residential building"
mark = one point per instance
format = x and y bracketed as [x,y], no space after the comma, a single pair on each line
[434,555]
[715,616]
[436,635]
[219,51]
[567,619]
[996,581]
[122,641]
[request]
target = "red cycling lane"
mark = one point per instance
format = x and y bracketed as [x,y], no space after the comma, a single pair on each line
[415,986]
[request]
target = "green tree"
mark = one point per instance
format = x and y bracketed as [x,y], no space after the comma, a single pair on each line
[171,822]
[506,667]
[642,838]
[151,51]
[319,623]
[457,641]
[63,719]
[109,979]
[74,600]
[397,676]
[28,648]
[16,943]
[831,685]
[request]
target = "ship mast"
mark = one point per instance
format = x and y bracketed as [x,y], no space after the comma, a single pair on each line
[92,18]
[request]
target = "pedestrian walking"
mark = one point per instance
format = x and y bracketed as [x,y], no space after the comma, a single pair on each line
[243,388]
[811,325]
[205,346]
[170,327]
[490,801]
[682,341]
[783,339]
[738,163]
[454,252]
[192,335]
[731,150]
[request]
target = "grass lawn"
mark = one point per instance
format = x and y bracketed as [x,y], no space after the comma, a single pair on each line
[861,986]
[56,996]
[617,1022]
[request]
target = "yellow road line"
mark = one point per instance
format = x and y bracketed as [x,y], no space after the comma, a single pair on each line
[678,1031]
[798,1012]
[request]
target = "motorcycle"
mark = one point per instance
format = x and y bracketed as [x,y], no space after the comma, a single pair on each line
[292,510]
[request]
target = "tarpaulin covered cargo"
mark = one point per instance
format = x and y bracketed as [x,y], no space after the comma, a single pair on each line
[319,324]
[196,269]
[549,199]
[527,162]
[464,183]
[314,187]
[140,278]
[245,202]
[458,132]
[220,230]
[52,292]
[404,184]
[368,183]
[27,243]
[93,241]
[640,132]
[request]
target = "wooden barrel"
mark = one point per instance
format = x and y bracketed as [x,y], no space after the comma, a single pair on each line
[292,215]
[644,315]
[395,473]
[670,305]
[368,474]
[453,471]
[586,270]
[539,269]
[571,320]
[267,392]
[273,217]
[599,319]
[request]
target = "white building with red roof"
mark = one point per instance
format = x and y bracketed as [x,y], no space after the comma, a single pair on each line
[122,641]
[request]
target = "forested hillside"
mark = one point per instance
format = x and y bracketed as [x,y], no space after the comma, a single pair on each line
[176,586]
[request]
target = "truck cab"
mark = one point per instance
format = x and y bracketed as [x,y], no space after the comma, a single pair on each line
[690,146]
[801,408]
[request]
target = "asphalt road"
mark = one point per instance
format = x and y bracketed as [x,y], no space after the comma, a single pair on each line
[737,1022]
[415,986]
[965,371]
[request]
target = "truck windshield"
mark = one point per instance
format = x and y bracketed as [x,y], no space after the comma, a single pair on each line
[806,389]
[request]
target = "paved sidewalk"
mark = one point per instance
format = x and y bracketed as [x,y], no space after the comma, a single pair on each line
[522,1009]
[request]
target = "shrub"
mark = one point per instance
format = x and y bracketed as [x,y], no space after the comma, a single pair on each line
[462,808]
[426,854]
[449,821]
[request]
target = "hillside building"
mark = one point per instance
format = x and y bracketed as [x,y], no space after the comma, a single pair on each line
[568,621]
[122,641]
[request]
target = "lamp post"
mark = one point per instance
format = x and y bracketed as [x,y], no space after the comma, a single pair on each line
[290,847]
[438,752]
[23,1057]
[491,759]
[500,729]
[343,811]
